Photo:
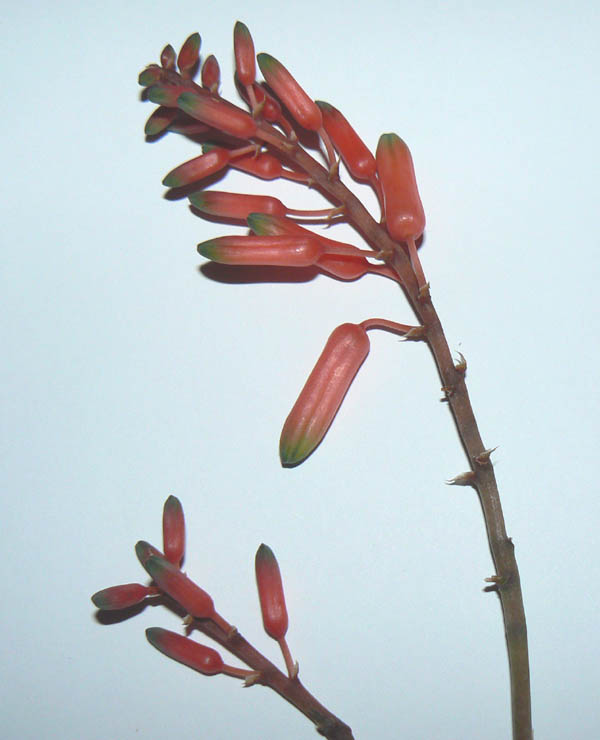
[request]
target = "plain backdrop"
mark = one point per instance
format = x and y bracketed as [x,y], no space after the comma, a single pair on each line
[130,374]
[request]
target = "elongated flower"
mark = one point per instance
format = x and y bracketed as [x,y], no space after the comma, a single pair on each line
[150,75]
[217,113]
[192,654]
[160,120]
[323,393]
[211,74]
[352,149]
[236,206]
[173,531]
[188,54]
[270,593]
[404,215]
[120,597]
[199,167]
[304,110]
[179,587]
[294,250]
[243,49]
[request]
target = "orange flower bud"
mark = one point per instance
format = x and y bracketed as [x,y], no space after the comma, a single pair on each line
[404,215]
[193,654]
[218,113]
[173,530]
[265,166]
[195,169]
[236,206]
[243,48]
[120,597]
[270,593]
[353,151]
[323,393]
[179,587]
[168,57]
[303,109]
[211,74]
[278,251]
[188,54]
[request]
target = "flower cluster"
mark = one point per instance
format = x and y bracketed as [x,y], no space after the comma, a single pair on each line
[164,568]
[263,141]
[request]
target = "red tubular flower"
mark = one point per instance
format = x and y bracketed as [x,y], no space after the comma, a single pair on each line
[243,48]
[179,587]
[199,657]
[194,655]
[218,113]
[404,215]
[303,109]
[195,169]
[277,251]
[353,151]
[270,593]
[188,54]
[236,206]
[323,393]
[173,530]
[211,74]
[120,597]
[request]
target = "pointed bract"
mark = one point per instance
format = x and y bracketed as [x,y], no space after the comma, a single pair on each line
[323,393]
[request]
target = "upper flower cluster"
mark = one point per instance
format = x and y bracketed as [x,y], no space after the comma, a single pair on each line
[263,141]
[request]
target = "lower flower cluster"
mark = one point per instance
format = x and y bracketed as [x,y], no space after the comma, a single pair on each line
[164,568]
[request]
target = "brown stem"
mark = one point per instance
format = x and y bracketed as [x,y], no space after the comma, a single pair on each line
[291,689]
[506,578]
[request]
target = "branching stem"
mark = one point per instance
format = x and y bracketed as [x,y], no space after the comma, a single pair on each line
[506,579]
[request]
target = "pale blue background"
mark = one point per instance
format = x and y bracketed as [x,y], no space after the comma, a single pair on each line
[128,376]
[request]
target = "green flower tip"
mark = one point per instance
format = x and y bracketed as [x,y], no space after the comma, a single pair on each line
[241,29]
[157,94]
[259,223]
[389,140]
[198,200]
[327,107]
[156,565]
[193,42]
[293,452]
[101,599]
[149,76]
[172,180]
[155,636]
[264,554]
[144,550]
[172,504]
[267,63]
[188,102]
[209,249]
